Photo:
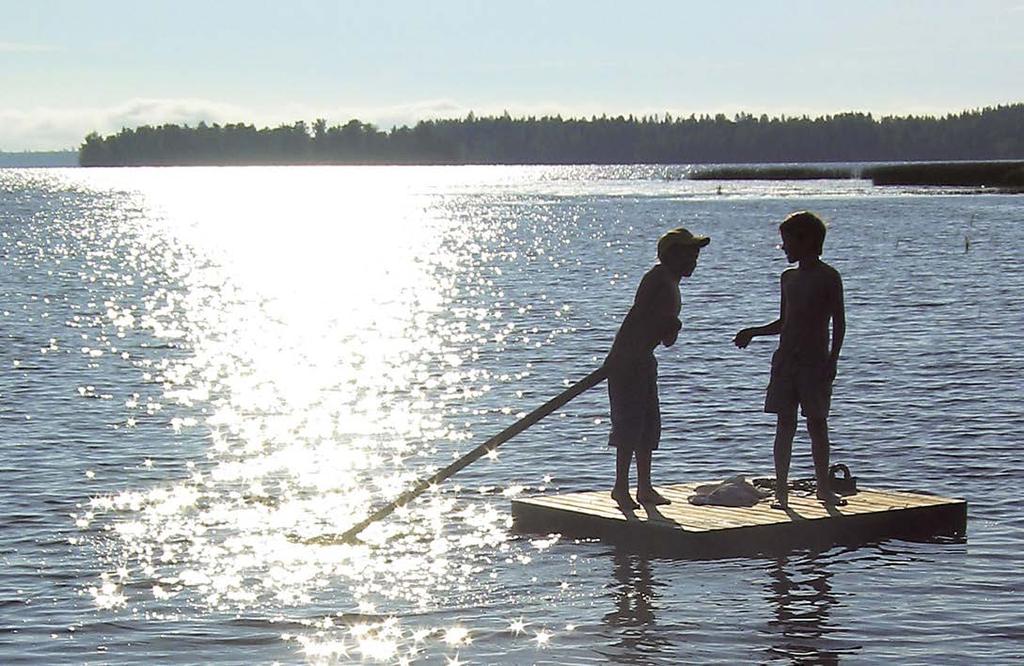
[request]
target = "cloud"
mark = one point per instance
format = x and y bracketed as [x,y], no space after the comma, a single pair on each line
[49,128]
[21,47]
[386,117]
[160,111]
[390,116]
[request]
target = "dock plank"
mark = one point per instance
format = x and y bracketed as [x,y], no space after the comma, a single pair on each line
[685,529]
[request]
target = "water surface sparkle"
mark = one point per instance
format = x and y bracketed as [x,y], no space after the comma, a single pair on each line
[210,372]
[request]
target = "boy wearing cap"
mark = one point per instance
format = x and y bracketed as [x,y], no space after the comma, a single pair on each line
[633,371]
[804,365]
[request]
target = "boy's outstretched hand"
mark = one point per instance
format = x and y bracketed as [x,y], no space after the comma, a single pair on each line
[743,338]
[670,338]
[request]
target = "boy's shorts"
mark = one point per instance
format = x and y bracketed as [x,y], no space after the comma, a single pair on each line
[633,398]
[806,385]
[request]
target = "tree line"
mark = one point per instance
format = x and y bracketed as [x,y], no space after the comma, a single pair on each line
[984,134]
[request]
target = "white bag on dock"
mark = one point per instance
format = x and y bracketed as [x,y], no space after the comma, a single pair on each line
[734,491]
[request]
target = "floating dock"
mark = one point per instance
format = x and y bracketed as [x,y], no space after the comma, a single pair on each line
[682,529]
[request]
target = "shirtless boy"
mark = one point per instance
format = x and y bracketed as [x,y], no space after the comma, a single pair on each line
[804,365]
[633,370]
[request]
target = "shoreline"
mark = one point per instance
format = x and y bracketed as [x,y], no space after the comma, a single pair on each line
[991,175]
[1002,175]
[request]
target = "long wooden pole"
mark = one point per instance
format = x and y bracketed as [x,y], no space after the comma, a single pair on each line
[591,380]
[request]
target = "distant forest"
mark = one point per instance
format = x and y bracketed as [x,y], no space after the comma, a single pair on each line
[986,134]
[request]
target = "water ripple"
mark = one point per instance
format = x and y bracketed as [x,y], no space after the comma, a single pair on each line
[205,370]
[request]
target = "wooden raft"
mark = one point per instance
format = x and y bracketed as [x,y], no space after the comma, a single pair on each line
[682,529]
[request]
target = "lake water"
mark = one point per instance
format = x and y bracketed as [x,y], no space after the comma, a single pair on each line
[203,369]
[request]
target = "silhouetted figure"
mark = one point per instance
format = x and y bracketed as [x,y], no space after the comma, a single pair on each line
[804,365]
[633,370]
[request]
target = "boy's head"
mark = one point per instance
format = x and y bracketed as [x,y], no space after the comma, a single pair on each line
[678,250]
[803,234]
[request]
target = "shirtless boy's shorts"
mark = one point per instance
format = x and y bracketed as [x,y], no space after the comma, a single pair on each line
[633,398]
[806,385]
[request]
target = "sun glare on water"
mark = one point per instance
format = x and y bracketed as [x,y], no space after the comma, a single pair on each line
[322,355]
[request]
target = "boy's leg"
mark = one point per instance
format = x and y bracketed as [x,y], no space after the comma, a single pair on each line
[645,492]
[785,430]
[817,428]
[620,492]
[623,457]
[782,400]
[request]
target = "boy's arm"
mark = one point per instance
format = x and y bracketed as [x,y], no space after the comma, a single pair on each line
[838,324]
[672,335]
[744,337]
[654,299]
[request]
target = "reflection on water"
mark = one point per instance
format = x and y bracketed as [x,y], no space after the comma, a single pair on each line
[800,591]
[638,638]
[634,593]
[796,590]
[209,368]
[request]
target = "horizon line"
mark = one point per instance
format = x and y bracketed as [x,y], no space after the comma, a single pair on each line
[658,116]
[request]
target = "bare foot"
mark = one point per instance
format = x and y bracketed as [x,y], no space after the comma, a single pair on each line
[651,496]
[831,498]
[781,501]
[623,499]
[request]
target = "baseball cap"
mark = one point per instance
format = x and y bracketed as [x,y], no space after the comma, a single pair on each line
[680,236]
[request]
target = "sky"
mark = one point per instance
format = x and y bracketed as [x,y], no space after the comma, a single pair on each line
[69,67]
